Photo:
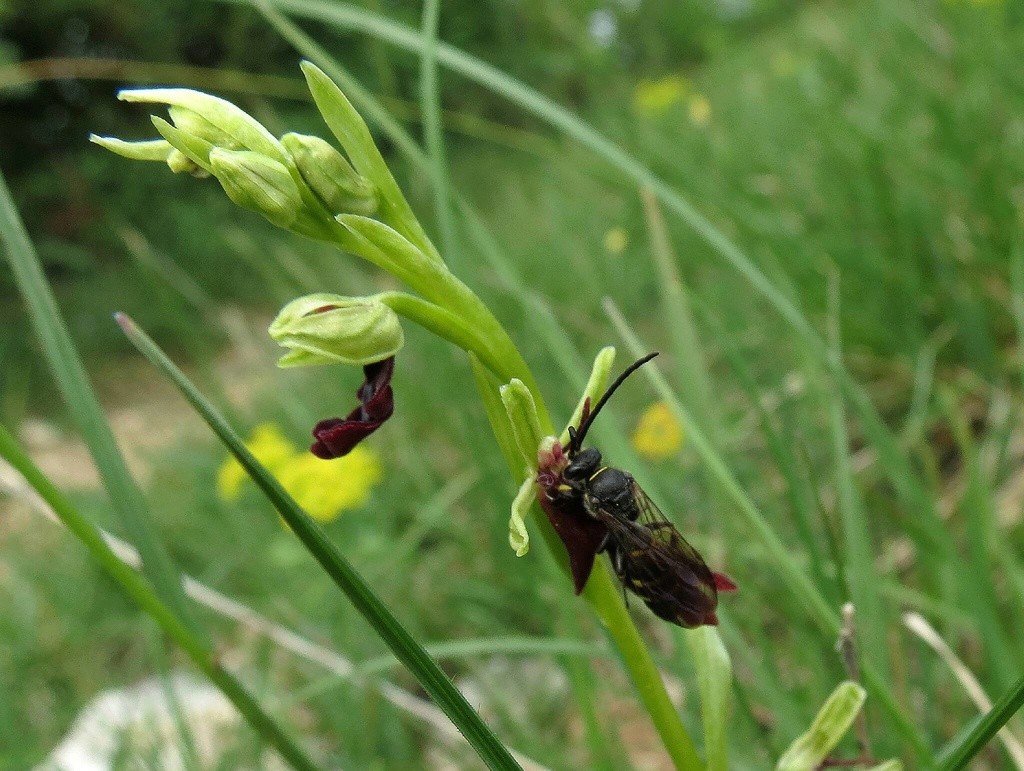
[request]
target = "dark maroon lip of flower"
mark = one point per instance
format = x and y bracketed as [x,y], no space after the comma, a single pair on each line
[336,437]
[580,532]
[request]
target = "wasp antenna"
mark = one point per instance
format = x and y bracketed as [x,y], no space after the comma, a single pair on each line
[577,436]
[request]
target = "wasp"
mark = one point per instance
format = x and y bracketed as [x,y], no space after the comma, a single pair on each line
[596,509]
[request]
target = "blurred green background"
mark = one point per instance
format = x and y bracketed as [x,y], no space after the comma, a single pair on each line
[867,156]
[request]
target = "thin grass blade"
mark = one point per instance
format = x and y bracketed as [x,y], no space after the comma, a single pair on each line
[73,382]
[433,679]
[958,753]
[198,650]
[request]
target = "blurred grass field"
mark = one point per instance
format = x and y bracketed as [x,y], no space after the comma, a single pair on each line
[867,156]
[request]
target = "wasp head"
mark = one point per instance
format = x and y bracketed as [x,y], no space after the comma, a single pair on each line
[582,466]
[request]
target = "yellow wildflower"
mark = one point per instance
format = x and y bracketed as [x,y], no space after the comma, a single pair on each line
[651,97]
[616,241]
[326,488]
[270,447]
[700,110]
[658,434]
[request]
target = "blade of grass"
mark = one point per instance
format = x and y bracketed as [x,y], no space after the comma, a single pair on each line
[976,508]
[197,648]
[73,382]
[894,463]
[789,569]
[858,555]
[959,752]
[917,624]
[714,669]
[433,131]
[433,679]
[601,592]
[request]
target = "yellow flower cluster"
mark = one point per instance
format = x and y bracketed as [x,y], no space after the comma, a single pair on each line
[323,488]
[653,97]
[658,434]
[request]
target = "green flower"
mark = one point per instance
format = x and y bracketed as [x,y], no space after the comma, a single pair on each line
[332,329]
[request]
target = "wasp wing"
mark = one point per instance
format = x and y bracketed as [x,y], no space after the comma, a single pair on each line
[655,562]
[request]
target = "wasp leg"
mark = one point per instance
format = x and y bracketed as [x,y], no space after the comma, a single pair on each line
[604,543]
[660,526]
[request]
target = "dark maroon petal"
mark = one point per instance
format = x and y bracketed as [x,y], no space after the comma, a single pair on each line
[336,437]
[581,534]
[723,583]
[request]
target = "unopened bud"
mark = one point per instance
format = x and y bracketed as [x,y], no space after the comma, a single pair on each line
[195,124]
[330,176]
[332,329]
[259,183]
[180,163]
[211,119]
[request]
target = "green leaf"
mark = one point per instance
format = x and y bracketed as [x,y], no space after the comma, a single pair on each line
[488,387]
[962,749]
[427,672]
[394,252]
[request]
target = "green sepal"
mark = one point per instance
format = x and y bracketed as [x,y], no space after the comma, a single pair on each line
[596,383]
[243,130]
[192,147]
[146,150]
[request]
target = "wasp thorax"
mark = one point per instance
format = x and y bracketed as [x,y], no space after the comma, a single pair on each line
[613,488]
[583,465]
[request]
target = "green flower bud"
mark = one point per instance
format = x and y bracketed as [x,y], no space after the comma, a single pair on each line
[830,725]
[196,125]
[180,163]
[193,148]
[330,176]
[259,183]
[332,329]
[212,119]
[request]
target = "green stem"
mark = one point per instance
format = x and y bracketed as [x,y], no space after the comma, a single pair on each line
[142,593]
